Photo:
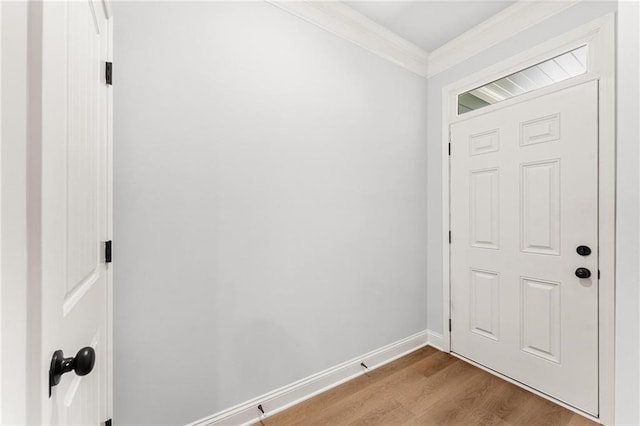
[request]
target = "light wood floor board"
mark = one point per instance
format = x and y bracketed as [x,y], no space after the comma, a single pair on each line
[427,387]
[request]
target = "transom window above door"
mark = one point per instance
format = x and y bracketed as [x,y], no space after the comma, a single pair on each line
[554,70]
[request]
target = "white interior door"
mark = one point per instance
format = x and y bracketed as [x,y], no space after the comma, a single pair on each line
[524,197]
[76,210]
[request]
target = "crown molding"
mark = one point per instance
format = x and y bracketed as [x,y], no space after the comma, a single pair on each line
[343,21]
[500,27]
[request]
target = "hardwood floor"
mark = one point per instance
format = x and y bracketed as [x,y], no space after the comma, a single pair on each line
[427,387]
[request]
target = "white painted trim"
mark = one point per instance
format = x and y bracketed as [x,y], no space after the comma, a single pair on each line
[345,22]
[627,132]
[1,334]
[109,266]
[278,400]
[446,222]
[600,36]
[604,61]
[435,340]
[500,27]
[638,129]
[523,386]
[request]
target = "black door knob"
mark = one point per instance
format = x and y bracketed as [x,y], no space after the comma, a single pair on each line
[583,273]
[82,364]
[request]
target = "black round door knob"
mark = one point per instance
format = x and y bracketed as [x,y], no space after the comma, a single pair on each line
[583,273]
[81,364]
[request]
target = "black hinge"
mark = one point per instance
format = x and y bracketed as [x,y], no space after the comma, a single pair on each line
[108,73]
[107,422]
[598,273]
[107,251]
[449,237]
[449,325]
[449,148]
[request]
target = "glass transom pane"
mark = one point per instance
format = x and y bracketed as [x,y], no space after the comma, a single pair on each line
[554,70]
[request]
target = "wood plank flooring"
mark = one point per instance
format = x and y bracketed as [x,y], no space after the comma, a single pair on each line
[427,387]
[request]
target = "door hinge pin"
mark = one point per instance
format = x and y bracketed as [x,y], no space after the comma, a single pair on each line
[449,325]
[107,251]
[449,148]
[598,273]
[449,237]
[108,73]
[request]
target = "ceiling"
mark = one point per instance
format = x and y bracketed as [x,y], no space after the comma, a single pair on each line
[429,24]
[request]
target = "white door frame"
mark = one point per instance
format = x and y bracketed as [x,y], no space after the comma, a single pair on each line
[109,14]
[599,35]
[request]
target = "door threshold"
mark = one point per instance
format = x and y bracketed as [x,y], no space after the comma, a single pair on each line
[528,388]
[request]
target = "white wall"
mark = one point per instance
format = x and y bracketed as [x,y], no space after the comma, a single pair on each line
[270,205]
[13,190]
[628,227]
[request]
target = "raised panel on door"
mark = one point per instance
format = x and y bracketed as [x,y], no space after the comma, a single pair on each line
[83,133]
[540,130]
[484,214]
[540,318]
[485,303]
[540,208]
[484,143]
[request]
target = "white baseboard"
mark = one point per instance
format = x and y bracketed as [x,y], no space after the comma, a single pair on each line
[435,340]
[280,399]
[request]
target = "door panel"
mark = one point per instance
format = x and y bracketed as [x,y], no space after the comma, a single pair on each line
[523,198]
[83,60]
[540,130]
[540,209]
[540,318]
[485,208]
[485,303]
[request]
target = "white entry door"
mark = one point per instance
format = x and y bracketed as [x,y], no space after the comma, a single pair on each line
[524,198]
[76,211]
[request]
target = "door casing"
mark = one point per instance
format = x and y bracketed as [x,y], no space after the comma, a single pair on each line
[599,36]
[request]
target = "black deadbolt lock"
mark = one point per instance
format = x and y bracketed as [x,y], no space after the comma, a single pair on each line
[82,364]
[583,250]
